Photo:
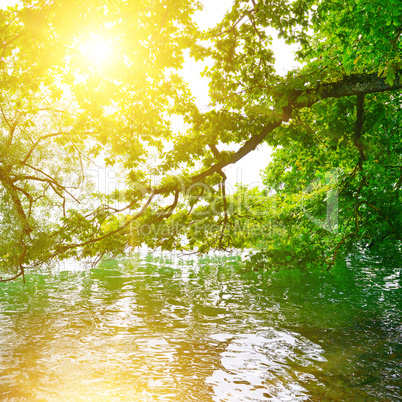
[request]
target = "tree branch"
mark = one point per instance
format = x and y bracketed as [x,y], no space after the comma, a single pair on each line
[353,84]
[350,85]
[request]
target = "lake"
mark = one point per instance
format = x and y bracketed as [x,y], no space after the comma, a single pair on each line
[149,328]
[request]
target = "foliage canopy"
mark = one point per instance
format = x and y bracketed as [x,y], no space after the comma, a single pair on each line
[336,116]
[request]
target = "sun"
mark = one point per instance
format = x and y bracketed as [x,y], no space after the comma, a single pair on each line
[97,50]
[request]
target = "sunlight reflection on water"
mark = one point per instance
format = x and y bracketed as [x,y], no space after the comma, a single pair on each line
[256,367]
[200,332]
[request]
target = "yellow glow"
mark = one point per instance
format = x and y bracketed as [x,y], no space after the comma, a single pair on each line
[96,50]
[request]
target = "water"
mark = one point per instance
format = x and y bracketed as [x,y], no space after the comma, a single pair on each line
[198,330]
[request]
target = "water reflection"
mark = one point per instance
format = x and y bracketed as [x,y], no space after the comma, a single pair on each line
[164,330]
[259,367]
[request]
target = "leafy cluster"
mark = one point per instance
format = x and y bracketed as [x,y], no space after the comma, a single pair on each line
[329,193]
[334,123]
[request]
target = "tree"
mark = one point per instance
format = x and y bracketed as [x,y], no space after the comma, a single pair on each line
[59,111]
[329,193]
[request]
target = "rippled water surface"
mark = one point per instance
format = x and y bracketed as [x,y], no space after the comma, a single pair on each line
[148,329]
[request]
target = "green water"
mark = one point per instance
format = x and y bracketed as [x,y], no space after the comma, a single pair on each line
[150,329]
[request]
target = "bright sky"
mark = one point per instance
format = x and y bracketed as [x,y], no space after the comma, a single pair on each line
[5,3]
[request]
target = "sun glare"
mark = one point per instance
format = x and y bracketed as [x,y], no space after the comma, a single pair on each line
[97,50]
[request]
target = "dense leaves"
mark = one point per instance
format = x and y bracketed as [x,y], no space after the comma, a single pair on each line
[329,193]
[335,124]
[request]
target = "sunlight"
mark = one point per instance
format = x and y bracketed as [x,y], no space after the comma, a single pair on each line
[97,50]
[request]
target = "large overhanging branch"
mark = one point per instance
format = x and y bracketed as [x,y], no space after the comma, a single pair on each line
[249,146]
[355,84]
